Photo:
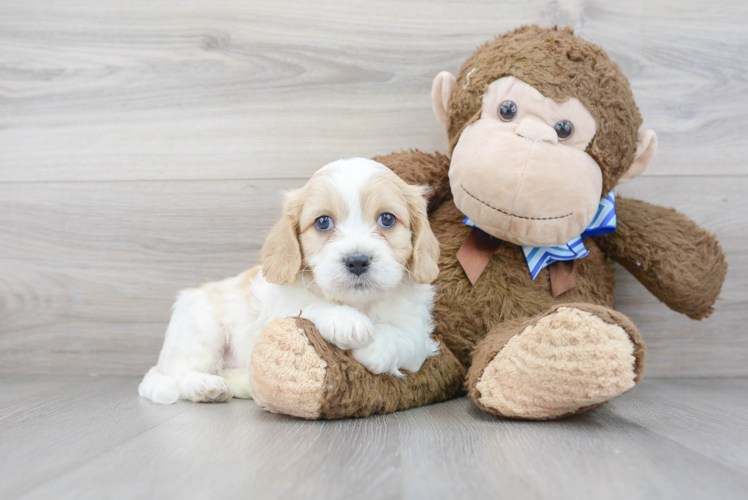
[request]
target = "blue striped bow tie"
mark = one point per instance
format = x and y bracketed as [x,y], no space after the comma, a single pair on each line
[539,258]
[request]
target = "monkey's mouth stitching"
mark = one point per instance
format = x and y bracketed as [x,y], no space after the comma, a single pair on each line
[512,215]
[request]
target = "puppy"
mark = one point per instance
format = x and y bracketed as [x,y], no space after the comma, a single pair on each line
[353,252]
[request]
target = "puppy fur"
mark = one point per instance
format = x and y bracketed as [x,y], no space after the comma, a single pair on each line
[382,314]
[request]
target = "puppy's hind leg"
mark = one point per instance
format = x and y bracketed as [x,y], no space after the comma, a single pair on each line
[193,348]
[204,388]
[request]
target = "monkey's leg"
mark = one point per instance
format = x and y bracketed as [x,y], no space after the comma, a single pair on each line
[296,372]
[570,359]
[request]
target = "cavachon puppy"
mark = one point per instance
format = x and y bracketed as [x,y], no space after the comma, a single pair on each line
[353,252]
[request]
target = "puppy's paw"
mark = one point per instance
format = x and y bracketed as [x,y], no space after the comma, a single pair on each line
[346,328]
[376,366]
[237,380]
[378,358]
[204,388]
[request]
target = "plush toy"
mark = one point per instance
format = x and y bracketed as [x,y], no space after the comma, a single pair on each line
[542,127]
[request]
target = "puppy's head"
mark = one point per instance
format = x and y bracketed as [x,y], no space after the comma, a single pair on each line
[358,228]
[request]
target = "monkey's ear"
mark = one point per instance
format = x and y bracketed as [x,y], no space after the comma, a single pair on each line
[646,147]
[442,88]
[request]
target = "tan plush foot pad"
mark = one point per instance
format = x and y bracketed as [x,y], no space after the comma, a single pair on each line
[287,374]
[570,360]
[296,372]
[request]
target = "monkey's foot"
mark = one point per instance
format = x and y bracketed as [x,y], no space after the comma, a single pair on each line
[287,374]
[294,371]
[571,359]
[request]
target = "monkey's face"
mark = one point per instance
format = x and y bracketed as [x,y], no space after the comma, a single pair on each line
[521,172]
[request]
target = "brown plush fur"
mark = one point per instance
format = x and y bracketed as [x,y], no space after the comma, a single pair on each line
[560,66]
[492,344]
[505,291]
[679,262]
[352,391]
[676,260]
[416,166]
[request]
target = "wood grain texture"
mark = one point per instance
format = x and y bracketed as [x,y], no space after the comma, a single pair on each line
[666,439]
[90,270]
[143,147]
[230,89]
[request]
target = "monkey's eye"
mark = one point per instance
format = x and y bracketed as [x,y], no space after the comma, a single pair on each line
[386,220]
[324,223]
[564,129]
[507,111]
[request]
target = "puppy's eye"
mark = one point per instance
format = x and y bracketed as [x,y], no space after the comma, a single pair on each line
[324,223]
[386,220]
[507,111]
[564,129]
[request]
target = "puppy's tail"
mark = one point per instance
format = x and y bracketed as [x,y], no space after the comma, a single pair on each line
[159,388]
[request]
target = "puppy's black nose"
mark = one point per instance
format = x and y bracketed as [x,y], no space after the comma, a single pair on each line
[357,263]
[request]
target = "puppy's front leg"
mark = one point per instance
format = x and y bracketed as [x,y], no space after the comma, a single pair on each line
[342,326]
[393,349]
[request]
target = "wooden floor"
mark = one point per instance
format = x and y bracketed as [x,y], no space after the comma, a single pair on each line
[93,437]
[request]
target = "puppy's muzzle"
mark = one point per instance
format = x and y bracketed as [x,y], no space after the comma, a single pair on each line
[358,263]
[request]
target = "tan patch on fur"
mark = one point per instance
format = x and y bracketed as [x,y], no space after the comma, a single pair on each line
[245,281]
[287,375]
[385,194]
[248,276]
[424,263]
[320,198]
[546,371]
[421,252]
[281,253]
[216,290]
[214,294]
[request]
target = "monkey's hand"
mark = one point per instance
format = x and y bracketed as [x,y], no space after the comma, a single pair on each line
[415,167]
[679,262]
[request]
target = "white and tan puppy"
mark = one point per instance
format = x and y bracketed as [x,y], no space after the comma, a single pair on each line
[353,252]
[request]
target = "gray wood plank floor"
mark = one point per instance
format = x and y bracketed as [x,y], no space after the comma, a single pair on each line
[93,437]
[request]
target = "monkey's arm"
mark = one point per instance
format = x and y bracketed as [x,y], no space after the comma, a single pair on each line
[679,262]
[415,167]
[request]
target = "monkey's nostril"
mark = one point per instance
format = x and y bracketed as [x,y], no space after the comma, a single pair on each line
[358,263]
[537,131]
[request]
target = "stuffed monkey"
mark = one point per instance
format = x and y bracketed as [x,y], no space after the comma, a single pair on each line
[542,127]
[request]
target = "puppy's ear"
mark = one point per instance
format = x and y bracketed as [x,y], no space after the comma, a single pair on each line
[281,253]
[424,262]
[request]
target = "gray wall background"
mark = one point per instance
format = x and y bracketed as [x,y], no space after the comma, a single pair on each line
[143,146]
